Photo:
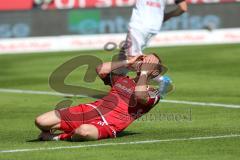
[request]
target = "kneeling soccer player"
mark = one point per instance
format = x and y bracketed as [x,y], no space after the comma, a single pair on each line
[128,99]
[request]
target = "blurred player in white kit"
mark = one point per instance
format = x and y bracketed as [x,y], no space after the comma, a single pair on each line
[146,21]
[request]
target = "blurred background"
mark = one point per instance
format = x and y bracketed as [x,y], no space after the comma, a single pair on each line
[107,20]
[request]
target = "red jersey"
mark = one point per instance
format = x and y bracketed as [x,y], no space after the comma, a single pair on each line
[120,107]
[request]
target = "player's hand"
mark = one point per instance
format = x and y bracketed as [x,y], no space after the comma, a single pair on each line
[150,59]
[132,60]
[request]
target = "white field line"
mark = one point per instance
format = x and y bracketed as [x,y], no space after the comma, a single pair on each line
[2,90]
[202,103]
[120,143]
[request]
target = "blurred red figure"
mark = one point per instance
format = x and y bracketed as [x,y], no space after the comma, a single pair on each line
[128,99]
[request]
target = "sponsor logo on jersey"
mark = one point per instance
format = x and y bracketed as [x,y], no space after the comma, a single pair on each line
[153,4]
[124,88]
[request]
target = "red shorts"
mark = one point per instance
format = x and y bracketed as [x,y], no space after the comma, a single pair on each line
[74,117]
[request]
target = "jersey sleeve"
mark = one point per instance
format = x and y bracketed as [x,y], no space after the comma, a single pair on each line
[178,1]
[110,79]
[152,101]
[153,98]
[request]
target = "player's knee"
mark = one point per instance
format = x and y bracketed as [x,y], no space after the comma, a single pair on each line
[40,121]
[83,131]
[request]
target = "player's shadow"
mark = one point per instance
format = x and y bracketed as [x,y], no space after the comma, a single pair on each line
[33,140]
[122,134]
[127,133]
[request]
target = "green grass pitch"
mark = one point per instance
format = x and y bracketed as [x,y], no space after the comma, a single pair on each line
[201,73]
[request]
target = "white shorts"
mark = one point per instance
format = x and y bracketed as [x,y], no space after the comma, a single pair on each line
[136,41]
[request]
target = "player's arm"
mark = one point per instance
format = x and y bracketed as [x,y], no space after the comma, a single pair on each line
[142,92]
[181,8]
[141,88]
[106,68]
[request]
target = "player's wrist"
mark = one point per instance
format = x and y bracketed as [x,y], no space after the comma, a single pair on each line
[144,73]
[126,62]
